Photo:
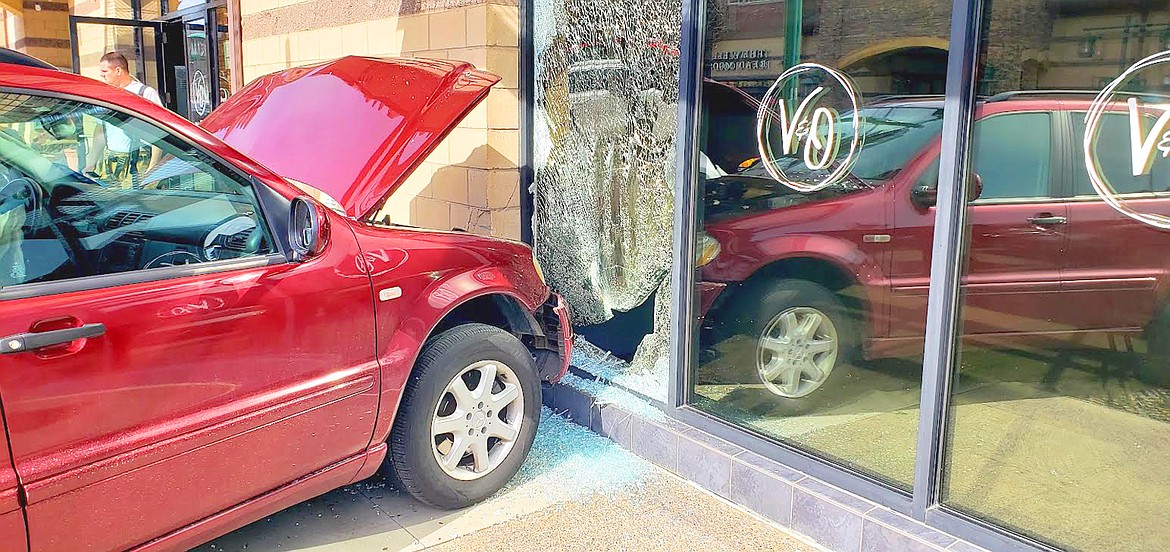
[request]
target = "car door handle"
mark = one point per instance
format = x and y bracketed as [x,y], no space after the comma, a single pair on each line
[20,343]
[1047,220]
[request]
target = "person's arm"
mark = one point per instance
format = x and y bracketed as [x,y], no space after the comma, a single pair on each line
[155,153]
[155,157]
[97,148]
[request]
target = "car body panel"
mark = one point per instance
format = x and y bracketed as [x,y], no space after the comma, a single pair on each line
[346,471]
[406,106]
[251,386]
[192,377]
[13,537]
[1025,282]
[406,260]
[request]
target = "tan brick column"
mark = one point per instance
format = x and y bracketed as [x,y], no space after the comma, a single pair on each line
[43,32]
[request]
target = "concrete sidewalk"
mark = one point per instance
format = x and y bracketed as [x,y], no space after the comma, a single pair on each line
[578,491]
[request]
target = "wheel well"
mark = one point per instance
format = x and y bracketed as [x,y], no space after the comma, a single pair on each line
[821,272]
[497,310]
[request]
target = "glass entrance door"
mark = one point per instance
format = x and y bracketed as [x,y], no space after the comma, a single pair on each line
[196,62]
[183,54]
[200,80]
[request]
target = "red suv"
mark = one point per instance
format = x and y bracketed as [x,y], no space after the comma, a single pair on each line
[196,343]
[815,278]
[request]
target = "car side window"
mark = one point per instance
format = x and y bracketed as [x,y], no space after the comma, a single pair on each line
[88,191]
[1007,148]
[1013,156]
[1113,162]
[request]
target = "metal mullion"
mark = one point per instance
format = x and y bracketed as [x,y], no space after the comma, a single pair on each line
[111,21]
[160,66]
[686,197]
[139,41]
[527,93]
[193,10]
[75,52]
[211,33]
[946,266]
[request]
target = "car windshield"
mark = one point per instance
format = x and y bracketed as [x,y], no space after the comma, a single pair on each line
[892,137]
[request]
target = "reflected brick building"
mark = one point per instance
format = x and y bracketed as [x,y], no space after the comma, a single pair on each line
[1034,43]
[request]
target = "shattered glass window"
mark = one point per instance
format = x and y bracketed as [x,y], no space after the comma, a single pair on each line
[605,117]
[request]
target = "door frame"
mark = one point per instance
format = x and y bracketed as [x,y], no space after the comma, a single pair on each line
[137,25]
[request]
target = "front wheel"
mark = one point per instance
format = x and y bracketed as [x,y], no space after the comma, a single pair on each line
[803,339]
[1154,368]
[467,419]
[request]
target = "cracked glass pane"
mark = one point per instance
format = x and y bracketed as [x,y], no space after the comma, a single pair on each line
[605,117]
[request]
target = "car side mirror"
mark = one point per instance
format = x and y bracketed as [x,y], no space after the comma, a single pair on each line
[308,229]
[925,195]
[976,183]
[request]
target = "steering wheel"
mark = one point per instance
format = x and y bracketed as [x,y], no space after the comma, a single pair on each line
[22,193]
[173,258]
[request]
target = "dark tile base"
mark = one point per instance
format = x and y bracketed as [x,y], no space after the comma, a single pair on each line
[837,520]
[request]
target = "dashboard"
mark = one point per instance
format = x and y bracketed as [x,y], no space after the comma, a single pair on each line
[118,230]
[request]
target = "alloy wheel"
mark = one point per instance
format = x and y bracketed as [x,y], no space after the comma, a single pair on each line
[477,420]
[796,352]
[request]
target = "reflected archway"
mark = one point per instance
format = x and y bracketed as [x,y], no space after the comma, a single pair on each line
[899,67]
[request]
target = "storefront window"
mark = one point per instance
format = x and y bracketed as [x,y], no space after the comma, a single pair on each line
[604,121]
[1059,407]
[819,145]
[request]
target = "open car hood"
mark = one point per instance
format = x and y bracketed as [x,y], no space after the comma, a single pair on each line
[353,128]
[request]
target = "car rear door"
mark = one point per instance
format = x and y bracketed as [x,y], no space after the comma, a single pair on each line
[164,361]
[1115,265]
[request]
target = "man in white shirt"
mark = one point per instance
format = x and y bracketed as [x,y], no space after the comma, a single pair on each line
[115,151]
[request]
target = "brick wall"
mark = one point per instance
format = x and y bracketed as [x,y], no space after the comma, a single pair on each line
[470,181]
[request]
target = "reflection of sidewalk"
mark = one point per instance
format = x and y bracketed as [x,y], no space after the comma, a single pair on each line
[578,491]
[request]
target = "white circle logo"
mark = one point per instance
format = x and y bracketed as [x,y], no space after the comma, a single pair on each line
[1142,141]
[200,93]
[800,138]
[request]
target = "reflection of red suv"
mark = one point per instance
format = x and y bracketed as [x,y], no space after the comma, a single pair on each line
[813,278]
[194,343]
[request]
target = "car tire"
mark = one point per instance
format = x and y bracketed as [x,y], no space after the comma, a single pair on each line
[446,392]
[1154,367]
[799,328]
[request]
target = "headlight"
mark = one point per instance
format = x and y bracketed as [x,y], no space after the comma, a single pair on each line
[706,249]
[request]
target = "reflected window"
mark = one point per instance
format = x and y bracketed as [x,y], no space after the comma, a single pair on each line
[1116,163]
[807,221]
[1013,155]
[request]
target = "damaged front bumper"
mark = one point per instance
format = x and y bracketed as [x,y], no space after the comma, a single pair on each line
[554,348]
